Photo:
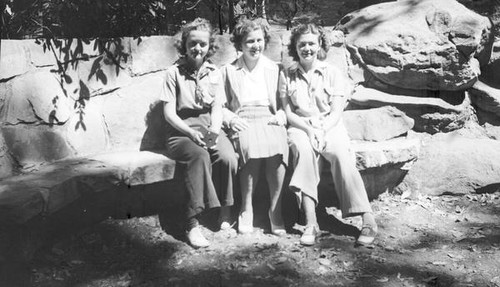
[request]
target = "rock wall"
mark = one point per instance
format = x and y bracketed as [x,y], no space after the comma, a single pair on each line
[411,85]
[437,62]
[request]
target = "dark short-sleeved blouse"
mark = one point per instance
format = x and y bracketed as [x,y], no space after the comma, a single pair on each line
[191,90]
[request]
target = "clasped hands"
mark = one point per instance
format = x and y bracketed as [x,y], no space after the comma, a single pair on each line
[316,133]
[199,138]
[238,124]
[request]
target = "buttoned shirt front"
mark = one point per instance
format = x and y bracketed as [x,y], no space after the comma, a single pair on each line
[194,90]
[310,94]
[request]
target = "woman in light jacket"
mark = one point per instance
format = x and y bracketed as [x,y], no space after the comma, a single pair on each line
[257,123]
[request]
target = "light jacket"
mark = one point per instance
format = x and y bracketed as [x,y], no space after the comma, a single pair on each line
[233,74]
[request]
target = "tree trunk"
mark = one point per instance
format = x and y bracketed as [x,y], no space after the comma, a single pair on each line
[231,15]
[263,9]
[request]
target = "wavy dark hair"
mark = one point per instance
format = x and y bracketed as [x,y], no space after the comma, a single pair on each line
[245,26]
[198,24]
[306,29]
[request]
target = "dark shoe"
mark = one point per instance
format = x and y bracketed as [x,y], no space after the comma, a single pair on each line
[367,235]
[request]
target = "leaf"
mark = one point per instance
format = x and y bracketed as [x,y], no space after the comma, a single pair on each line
[102,77]
[95,66]
[67,79]
[84,91]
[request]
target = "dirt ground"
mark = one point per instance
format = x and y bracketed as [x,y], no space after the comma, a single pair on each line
[426,241]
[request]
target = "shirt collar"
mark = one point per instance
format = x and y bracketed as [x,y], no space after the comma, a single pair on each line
[264,62]
[205,68]
[320,67]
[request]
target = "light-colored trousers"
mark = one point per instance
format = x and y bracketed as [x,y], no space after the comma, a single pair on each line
[348,183]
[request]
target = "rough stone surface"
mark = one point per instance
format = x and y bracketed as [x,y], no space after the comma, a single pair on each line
[486,97]
[25,196]
[31,145]
[226,53]
[130,114]
[6,165]
[14,59]
[152,54]
[140,168]
[86,130]
[35,97]
[419,44]
[490,72]
[450,163]
[273,50]
[492,131]
[383,165]
[391,152]
[96,76]
[431,115]
[56,185]
[377,124]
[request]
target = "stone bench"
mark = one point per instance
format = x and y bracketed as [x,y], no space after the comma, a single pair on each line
[67,195]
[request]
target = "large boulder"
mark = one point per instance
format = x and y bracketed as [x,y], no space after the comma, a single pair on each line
[455,164]
[377,124]
[490,72]
[431,114]
[429,44]
[486,97]
[383,165]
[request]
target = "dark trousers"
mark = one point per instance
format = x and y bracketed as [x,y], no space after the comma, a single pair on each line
[208,173]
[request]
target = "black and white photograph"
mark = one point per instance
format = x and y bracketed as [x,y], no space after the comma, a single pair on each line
[249,143]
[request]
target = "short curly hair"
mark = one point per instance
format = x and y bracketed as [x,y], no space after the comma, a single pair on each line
[198,24]
[306,29]
[245,26]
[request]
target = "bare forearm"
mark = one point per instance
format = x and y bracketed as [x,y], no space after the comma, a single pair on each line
[174,120]
[333,118]
[216,117]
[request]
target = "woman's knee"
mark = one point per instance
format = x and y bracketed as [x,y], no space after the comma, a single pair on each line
[199,154]
[229,158]
[300,144]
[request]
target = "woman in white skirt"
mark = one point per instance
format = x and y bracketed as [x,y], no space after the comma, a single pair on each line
[257,123]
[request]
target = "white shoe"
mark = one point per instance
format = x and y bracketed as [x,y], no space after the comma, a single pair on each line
[308,238]
[196,239]
[245,222]
[277,229]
